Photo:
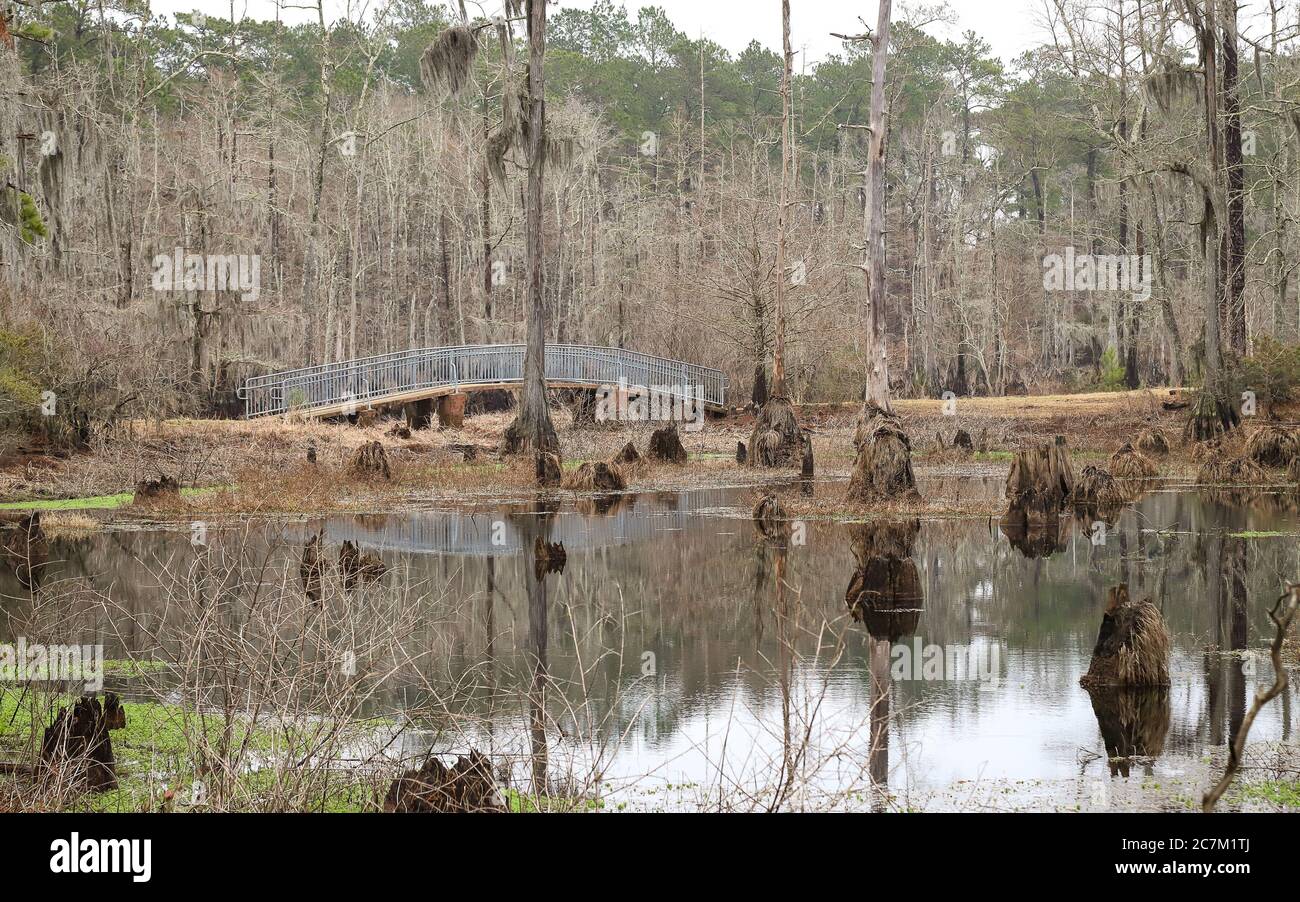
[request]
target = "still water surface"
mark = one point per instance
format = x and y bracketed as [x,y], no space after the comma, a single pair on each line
[692,663]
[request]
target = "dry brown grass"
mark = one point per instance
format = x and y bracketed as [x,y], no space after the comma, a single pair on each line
[262,463]
[68,523]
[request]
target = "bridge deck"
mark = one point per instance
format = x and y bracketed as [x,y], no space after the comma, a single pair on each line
[337,388]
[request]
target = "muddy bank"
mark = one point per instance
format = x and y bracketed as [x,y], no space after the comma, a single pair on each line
[270,466]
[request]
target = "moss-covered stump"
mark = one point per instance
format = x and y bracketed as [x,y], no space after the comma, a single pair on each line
[777,440]
[1132,645]
[1130,463]
[77,751]
[1272,446]
[883,469]
[466,787]
[163,490]
[1153,441]
[1221,468]
[1041,477]
[595,477]
[1096,488]
[666,445]
[627,455]
[371,461]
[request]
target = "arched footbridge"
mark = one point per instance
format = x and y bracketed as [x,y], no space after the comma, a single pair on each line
[338,388]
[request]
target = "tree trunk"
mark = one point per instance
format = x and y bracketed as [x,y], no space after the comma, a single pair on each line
[782,213]
[877,389]
[532,429]
[1233,262]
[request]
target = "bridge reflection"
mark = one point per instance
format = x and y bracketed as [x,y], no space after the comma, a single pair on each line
[590,522]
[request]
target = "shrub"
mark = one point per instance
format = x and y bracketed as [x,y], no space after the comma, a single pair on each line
[1110,376]
[1272,372]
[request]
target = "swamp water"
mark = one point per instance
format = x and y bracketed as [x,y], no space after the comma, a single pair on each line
[681,661]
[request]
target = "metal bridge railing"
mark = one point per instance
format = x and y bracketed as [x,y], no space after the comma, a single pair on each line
[370,380]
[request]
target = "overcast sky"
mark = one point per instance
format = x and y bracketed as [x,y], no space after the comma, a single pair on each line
[1010,26]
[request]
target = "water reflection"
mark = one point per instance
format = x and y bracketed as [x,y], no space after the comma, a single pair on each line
[886,597]
[739,627]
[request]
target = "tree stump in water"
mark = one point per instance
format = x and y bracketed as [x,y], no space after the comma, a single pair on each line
[1272,446]
[1032,531]
[770,517]
[549,473]
[1130,463]
[1041,477]
[595,477]
[466,787]
[1133,723]
[164,489]
[356,565]
[77,748]
[1039,485]
[371,460]
[548,557]
[1132,645]
[666,445]
[311,570]
[1095,488]
[885,594]
[451,411]
[808,467]
[777,440]
[883,470]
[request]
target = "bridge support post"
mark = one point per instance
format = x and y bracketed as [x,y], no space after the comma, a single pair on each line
[419,414]
[451,411]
